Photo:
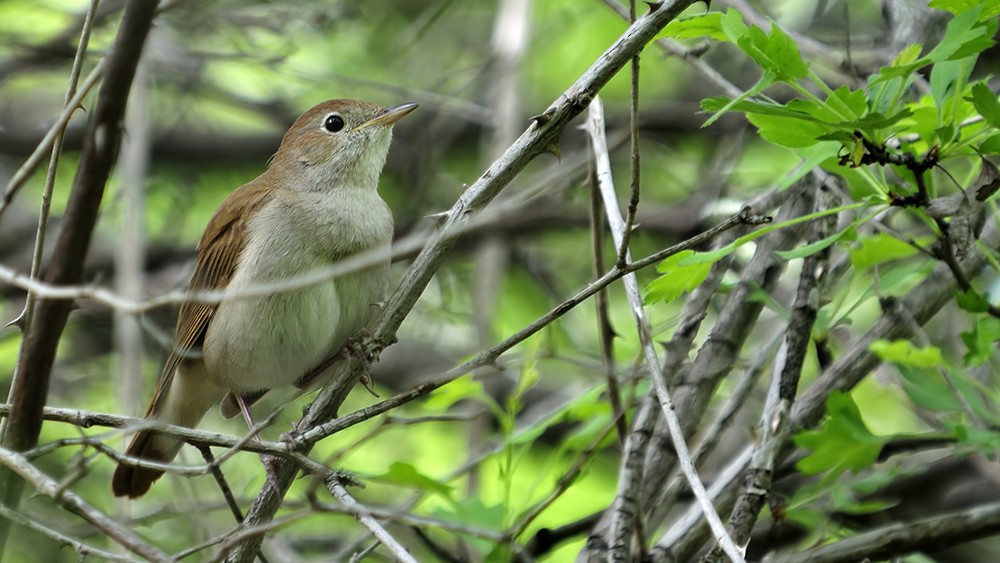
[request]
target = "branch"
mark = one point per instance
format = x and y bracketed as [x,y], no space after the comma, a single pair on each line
[773,429]
[896,539]
[30,384]
[338,491]
[538,138]
[83,550]
[68,500]
[620,537]
[857,362]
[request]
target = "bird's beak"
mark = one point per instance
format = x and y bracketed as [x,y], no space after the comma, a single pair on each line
[390,116]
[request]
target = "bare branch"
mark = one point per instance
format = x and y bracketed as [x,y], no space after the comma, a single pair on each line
[21,467]
[338,491]
[620,541]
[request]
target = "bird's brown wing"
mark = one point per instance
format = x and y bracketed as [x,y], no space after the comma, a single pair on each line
[217,255]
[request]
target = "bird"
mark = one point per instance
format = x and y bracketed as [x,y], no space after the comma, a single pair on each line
[315,204]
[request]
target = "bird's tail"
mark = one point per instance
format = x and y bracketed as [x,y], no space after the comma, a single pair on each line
[182,400]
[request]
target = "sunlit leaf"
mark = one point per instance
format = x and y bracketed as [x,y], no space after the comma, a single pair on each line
[676,279]
[405,475]
[986,104]
[905,353]
[702,25]
[843,442]
[878,249]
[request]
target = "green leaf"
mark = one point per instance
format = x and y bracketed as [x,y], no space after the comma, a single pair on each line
[879,249]
[474,513]
[855,100]
[718,103]
[991,146]
[676,279]
[406,475]
[786,132]
[732,25]
[843,442]
[979,437]
[720,253]
[875,121]
[902,352]
[702,25]
[765,80]
[813,248]
[964,36]
[972,302]
[908,55]
[981,341]
[947,77]
[928,390]
[990,8]
[465,387]
[776,53]
[585,407]
[986,104]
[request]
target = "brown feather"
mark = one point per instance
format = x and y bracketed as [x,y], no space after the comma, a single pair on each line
[217,256]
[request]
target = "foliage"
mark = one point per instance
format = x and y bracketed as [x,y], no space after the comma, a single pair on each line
[503,456]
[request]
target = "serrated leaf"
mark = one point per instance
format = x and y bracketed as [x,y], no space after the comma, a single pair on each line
[776,53]
[702,25]
[785,132]
[676,279]
[841,443]
[876,120]
[718,103]
[986,104]
[981,341]
[946,76]
[972,302]
[908,55]
[964,36]
[902,352]
[879,249]
[732,25]
[927,390]
[990,8]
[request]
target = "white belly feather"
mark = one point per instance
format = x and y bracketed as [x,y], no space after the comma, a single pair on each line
[294,331]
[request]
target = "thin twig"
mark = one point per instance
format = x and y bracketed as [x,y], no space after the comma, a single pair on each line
[337,490]
[633,202]
[604,181]
[48,141]
[605,332]
[83,550]
[490,356]
[68,500]
[24,321]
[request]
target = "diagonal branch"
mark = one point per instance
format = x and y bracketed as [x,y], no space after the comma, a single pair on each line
[621,537]
[537,139]
[30,385]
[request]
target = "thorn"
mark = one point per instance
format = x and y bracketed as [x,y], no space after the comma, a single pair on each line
[654,6]
[17,321]
[366,381]
[542,118]
[554,149]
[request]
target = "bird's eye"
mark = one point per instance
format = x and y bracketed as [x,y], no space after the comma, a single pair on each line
[333,123]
